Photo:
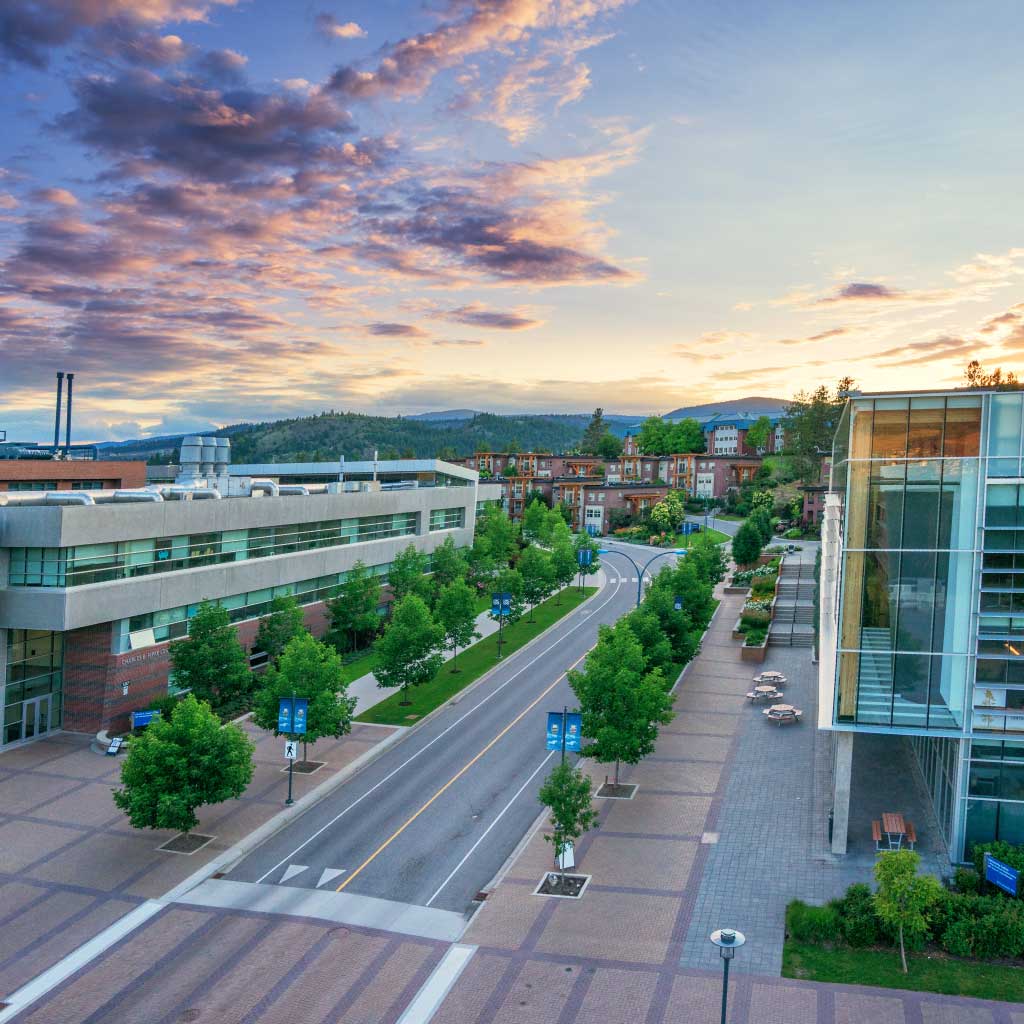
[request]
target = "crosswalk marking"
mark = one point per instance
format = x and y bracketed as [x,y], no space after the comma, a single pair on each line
[329,874]
[291,871]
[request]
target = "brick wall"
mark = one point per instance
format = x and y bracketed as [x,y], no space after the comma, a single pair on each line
[110,474]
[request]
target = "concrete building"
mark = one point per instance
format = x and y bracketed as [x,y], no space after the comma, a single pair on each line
[922,602]
[94,586]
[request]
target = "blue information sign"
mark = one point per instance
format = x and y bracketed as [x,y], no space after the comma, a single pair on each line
[140,718]
[291,715]
[573,731]
[584,556]
[501,604]
[1001,874]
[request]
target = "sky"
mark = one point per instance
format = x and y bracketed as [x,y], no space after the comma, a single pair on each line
[220,211]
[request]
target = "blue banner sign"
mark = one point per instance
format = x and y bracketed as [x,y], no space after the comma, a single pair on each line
[501,604]
[140,718]
[573,725]
[678,603]
[1001,874]
[584,557]
[291,715]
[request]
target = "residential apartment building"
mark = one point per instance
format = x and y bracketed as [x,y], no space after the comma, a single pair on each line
[93,587]
[592,501]
[714,477]
[922,602]
[726,434]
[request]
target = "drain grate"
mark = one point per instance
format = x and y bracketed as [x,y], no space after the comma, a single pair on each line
[186,843]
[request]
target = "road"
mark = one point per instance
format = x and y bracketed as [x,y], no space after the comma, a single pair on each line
[432,820]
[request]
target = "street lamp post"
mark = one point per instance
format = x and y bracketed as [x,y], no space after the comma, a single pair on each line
[640,571]
[728,940]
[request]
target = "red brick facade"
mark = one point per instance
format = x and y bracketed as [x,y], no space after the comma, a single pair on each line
[94,678]
[63,474]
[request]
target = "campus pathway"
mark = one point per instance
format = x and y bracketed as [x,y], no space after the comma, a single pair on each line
[723,831]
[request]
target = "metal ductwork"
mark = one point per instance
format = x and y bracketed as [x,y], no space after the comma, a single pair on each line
[209,455]
[137,496]
[265,486]
[222,455]
[68,497]
[292,489]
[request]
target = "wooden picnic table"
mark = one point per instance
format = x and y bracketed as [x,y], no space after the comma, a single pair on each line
[770,676]
[765,688]
[893,823]
[783,709]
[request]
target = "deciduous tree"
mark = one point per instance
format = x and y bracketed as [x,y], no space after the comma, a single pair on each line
[407,574]
[408,653]
[622,705]
[684,437]
[448,564]
[538,576]
[353,613]
[210,661]
[566,793]
[747,544]
[653,436]
[456,614]
[310,669]
[609,446]
[181,763]
[563,565]
[904,897]
[284,622]
[536,522]
[759,432]
[510,581]
[976,376]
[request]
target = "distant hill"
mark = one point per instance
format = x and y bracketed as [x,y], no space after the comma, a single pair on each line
[449,415]
[755,405]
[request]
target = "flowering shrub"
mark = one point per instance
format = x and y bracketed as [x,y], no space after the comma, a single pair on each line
[757,605]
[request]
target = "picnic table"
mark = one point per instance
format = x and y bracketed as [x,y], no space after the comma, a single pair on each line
[780,713]
[896,830]
[764,692]
[770,676]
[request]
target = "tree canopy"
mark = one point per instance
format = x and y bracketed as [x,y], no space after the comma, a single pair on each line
[353,613]
[747,544]
[276,629]
[659,437]
[210,661]
[759,432]
[455,612]
[538,576]
[311,669]
[407,574]
[566,793]
[596,429]
[181,763]
[810,424]
[976,376]
[408,653]
[904,897]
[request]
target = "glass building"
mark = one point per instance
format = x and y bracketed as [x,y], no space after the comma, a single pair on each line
[923,578]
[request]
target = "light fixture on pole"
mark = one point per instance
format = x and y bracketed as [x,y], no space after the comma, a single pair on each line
[728,940]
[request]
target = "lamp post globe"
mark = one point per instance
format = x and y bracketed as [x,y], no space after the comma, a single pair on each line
[728,940]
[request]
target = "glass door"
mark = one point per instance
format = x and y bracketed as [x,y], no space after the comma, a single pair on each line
[36,719]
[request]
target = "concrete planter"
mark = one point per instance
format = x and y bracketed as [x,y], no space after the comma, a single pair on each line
[755,654]
[736,634]
[738,589]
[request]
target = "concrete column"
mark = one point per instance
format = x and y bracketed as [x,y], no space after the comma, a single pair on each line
[842,771]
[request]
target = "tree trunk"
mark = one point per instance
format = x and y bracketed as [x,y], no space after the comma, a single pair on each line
[455,655]
[903,952]
[404,702]
[532,606]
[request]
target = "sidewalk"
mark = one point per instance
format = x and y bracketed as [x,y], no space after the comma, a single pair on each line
[721,833]
[70,864]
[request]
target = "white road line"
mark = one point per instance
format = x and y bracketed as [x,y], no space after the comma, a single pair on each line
[469,852]
[387,778]
[427,1001]
[25,996]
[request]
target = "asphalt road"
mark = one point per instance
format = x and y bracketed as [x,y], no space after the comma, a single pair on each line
[434,818]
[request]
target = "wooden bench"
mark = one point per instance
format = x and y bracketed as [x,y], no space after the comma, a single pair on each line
[911,835]
[876,834]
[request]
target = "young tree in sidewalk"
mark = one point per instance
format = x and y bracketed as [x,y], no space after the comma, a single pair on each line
[904,897]
[310,669]
[181,763]
[621,704]
[566,793]
[409,651]
[353,613]
[456,613]
[563,566]
[538,576]
[284,622]
[407,574]
[210,661]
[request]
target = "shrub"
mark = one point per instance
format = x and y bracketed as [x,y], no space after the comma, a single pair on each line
[755,636]
[165,705]
[966,880]
[857,913]
[813,925]
[742,576]
[996,935]
[794,534]
[1006,852]
[959,939]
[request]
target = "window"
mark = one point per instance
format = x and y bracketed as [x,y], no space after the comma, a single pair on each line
[88,485]
[449,518]
[32,485]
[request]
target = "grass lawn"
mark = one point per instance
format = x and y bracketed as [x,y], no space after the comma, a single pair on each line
[928,973]
[359,666]
[473,662]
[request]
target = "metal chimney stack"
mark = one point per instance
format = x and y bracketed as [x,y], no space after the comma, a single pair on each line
[67,429]
[56,417]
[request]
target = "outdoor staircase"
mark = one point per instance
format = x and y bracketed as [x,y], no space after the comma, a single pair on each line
[876,702]
[793,624]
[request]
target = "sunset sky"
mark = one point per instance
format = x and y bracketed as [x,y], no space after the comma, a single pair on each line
[225,210]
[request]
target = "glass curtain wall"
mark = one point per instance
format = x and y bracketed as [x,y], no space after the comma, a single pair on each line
[35,669]
[912,476]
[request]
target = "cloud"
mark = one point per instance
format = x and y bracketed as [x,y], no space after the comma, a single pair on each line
[477,315]
[56,196]
[861,291]
[386,330]
[29,29]
[835,332]
[459,343]
[330,28]
[407,68]
[187,125]
[226,66]
[918,352]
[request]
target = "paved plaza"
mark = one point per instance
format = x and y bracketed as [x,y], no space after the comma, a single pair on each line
[70,864]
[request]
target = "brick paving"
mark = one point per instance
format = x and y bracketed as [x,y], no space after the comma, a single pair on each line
[70,864]
[635,949]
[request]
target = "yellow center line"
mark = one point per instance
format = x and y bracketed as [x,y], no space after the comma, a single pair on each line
[458,775]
